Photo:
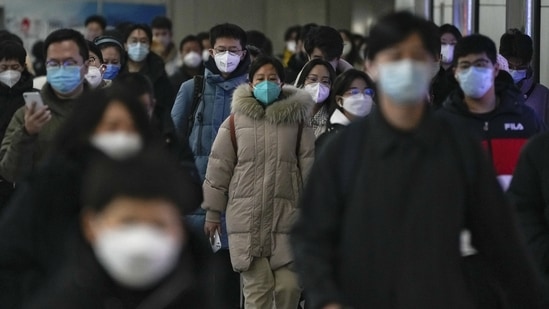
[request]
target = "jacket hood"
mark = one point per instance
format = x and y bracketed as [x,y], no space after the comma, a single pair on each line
[510,99]
[294,106]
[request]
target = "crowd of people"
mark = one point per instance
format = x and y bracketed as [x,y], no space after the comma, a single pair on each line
[403,169]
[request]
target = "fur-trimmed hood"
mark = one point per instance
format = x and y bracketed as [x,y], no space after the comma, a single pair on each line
[294,107]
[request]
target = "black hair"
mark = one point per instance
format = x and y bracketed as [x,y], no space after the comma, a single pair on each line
[96,50]
[96,19]
[134,27]
[105,41]
[305,30]
[228,31]
[37,50]
[73,138]
[447,28]
[475,44]
[8,36]
[161,22]
[342,84]
[325,38]
[151,174]
[260,41]
[352,57]
[515,44]
[397,27]
[203,35]
[11,50]
[190,38]
[138,83]
[288,33]
[62,35]
[300,83]
[262,60]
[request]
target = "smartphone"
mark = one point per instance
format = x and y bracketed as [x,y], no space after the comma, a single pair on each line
[215,241]
[30,97]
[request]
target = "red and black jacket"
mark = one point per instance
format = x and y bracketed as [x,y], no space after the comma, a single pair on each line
[503,131]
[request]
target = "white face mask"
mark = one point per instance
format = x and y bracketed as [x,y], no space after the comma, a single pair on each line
[94,76]
[475,82]
[359,104]
[205,55]
[192,60]
[346,48]
[291,46]
[10,77]
[226,62]
[118,145]
[405,82]
[447,52]
[137,256]
[318,91]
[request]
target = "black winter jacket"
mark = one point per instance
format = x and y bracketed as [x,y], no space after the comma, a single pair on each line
[380,221]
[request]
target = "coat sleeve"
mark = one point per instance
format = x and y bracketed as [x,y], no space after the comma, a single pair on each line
[182,107]
[221,165]
[316,233]
[526,195]
[16,152]
[495,233]
[306,152]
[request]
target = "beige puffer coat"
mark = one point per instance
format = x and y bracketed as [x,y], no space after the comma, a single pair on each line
[259,191]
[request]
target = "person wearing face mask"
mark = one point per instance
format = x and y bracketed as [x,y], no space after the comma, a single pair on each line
[201,106]
[14,81]
[44,212]
[259,162]
[353,98]
[299,57]
[138,40]
[96,69]
[492,111]
[95,26]
[372,205]
[31,130]
[443,82]
[326,43]
[518,49]
[190,51]
[113,55]
[132,247]
[316,77]
[162,44]
[291,36]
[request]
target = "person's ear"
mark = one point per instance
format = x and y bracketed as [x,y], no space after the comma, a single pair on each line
[211,50]
[496,69]
[102,69]
[88,224]
[339,101]
[244,52]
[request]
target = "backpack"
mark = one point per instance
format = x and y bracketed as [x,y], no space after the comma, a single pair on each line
[198,90]
[235,146]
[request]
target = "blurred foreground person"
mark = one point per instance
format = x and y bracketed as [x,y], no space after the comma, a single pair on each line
[260,160]
[43,214]
[381,221]
[136,252]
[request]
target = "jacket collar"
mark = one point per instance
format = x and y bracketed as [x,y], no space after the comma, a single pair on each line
[295,105]
[386,138]
[339,118]
[510,99]
[59,106]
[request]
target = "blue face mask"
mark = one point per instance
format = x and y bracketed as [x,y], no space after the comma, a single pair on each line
[64,79]
[518,75]
[138,51]
[111,72]
[267,92]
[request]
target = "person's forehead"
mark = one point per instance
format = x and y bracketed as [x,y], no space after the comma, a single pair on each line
[93,24]
[227,42]
[138,33]
[64,49]
[160,30]
[9,61]
[473,57]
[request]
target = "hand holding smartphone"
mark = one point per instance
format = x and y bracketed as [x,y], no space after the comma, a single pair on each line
[33,97]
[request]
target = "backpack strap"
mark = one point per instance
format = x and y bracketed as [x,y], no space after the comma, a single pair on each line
[298,143]
[198,90]
[233,133]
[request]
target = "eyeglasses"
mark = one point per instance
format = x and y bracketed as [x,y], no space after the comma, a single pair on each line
[220,50]
[314,79]
[368,91]
[67,64]
[15,67]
